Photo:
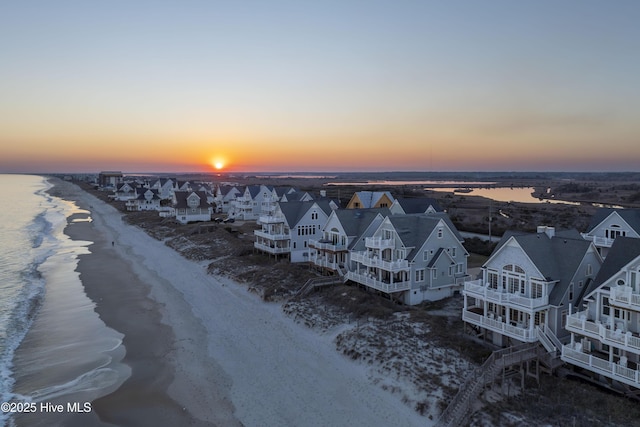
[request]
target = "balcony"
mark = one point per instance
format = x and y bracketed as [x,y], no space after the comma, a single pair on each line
[327,245]
[324,262]
[599,241]
[379,243]
[271,249]
[518,332]
[578,323]
[611,370]
[392,266]
[481,291]
[624,297]
[380,285]
[269,236]
[270,219]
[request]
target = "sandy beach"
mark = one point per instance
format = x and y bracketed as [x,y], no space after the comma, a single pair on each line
[205,351]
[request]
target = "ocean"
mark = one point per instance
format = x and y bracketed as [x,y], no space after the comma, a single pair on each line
[54,348]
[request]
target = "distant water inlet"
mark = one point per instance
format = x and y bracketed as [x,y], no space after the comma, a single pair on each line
[52,344]
[502,194]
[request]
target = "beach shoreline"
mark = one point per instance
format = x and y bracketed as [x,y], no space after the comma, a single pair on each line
[150,343]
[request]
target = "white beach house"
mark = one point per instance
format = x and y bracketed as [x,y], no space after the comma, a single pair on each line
[605,331]
[411,258]
[343,229]
[287,232]
[608,224]
[528,284]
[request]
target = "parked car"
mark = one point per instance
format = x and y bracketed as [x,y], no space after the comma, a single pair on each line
[229,220]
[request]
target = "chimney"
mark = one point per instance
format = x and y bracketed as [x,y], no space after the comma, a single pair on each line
[549,231]
[323,193]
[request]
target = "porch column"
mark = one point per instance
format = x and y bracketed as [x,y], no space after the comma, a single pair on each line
[531,321]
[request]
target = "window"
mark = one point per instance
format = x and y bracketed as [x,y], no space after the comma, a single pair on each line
[451,270]
[606,309]
[420,275]
[453,252]
[425,256]
[571,291]
[589,269]
[492,278]
[314,215]
[536,289]
[434,273]
[440,233]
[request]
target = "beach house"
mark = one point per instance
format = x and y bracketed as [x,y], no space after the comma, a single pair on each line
[125,191]
[146,200]
[411,258]
[287,232]
[370,199]
[528,284]
[165,187]
[191,206]
[343,229]
[404,205]
[608,224]
[605,329]
[224,197]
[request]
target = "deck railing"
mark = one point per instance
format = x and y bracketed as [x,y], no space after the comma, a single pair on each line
[378,284]
[601,366]
[477,289]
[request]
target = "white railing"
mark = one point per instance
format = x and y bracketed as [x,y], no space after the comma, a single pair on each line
[327,246]
[624,295]
[324,262]
[378,284]
[578,323]
[598,240]
[378,243]
[517,332]
[270,219]
[269,236]
[477,289]
[393,266]
[273,250]
[601,366]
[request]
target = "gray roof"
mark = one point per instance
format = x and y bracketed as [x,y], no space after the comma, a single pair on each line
[622,252]
[254,190]
[413,230]
[295,196]
[181,199]
[418,204]
[557,258]
[631,216]
[356,221]
[155,196]
[294,211]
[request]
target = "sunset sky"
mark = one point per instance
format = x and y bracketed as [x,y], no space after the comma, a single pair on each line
[450,85]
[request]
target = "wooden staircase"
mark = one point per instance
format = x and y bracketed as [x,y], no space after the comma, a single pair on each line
[461,406]
[312,284]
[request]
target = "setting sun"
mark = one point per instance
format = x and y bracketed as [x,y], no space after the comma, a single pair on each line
[218,164]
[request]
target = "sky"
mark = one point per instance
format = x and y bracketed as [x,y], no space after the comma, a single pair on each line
[347,85]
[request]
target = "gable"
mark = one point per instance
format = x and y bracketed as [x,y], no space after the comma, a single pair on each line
[511,253]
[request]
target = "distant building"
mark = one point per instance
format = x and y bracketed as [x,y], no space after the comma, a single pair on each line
[370,199]
[110,179]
